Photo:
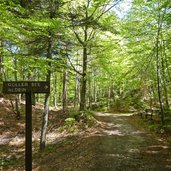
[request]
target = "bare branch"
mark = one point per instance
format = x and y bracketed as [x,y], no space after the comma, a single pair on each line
[76,34]
[104,12]
[74,66]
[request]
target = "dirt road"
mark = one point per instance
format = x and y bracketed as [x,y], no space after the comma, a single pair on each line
[117,147]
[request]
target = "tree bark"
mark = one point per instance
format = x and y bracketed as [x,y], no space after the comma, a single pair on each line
[84,72]
[44,122]
[1,66]
[64,101]
[164,84]
[109,97]
[55,92]
[158,69]
[60,88]
[89,94]
[17,106]
[77,89]
[83,81]
[159,84]
[94,86]
[47,97]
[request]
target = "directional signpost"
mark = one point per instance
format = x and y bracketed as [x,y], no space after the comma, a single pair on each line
[27,87]
[12,87]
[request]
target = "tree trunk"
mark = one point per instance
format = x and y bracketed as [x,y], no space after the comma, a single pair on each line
[159,85]
[44,122]
[47,97]
[76,98]
[83,81]
[60,88]
[109,97]
[64,101]
[1,66]
[77,87]
[158,71]
[55,92]
[17,108]
[164,78]
[94,86]
[84,72]
[89,94]
[167,66]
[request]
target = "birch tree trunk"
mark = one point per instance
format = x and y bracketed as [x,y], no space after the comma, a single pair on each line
[109,97]
[47,97]
[64,101]
[77,88]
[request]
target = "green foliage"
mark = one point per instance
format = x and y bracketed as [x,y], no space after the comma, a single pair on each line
[162,129]
[155,126]
[167,129]
[70,125]
[121,53]
[168,118]
[79,119]
[70,122]
[78,115]
[1,83]
[8,163]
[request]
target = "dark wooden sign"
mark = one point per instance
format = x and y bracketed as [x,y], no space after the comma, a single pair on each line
[13,87]
[27,87]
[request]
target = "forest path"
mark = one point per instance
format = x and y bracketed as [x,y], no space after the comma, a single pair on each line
[119,146]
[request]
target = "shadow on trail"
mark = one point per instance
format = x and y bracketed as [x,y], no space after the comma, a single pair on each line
[118,147]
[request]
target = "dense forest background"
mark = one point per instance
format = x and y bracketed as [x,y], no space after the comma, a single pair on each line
[94,55]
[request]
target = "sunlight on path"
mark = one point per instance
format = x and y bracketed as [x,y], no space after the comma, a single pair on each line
[113,114]
[116,146]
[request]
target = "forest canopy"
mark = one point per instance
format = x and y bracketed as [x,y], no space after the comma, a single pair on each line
[95,56]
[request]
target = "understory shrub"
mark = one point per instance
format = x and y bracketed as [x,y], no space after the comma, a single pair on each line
[70,125]
[79,120]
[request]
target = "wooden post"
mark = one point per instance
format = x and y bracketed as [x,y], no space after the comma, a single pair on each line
[28,128]
[27,87]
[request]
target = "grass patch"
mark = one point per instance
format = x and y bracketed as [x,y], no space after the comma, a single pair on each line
[152,124]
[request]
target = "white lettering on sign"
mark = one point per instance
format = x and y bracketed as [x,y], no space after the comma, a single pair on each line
[18,84]
[35,84]
[13,90]
[27,86]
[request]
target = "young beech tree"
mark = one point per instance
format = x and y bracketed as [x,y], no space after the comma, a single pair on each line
[85,16]
[51,9]
[149,55]
[38,28]
[8,32]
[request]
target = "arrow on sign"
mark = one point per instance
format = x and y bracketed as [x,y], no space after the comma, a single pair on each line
[46,87]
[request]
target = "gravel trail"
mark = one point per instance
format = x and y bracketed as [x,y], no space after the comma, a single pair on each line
[118,146]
